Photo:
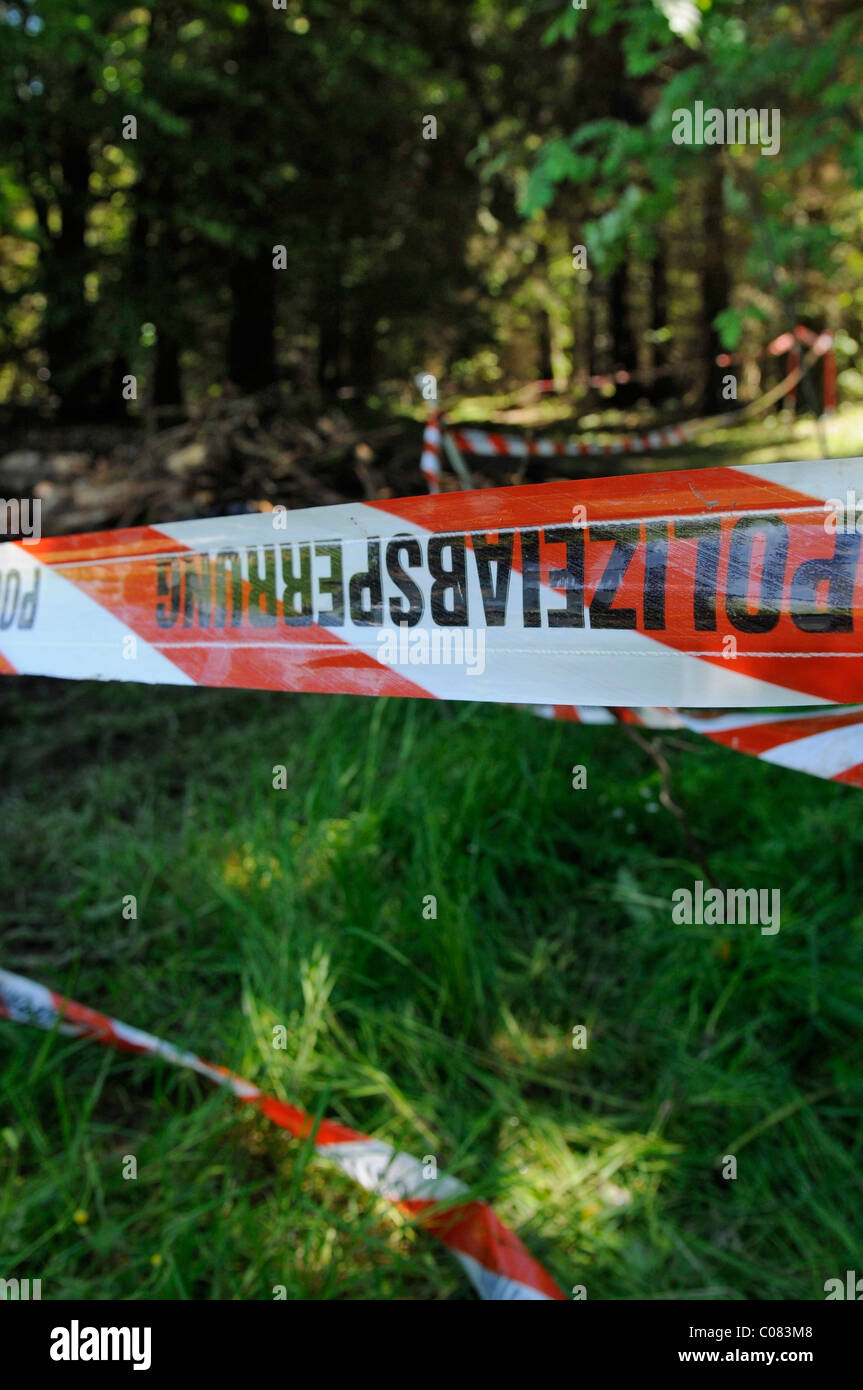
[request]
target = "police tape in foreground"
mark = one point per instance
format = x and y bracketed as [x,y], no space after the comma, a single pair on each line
[495,1260]
[823,742]
[712,587]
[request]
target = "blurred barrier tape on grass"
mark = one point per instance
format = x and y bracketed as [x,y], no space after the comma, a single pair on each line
[495,1260]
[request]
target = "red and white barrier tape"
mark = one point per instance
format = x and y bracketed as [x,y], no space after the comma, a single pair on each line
[430,463]
[714,587]
[495,1260]
[825,743]
[493,443]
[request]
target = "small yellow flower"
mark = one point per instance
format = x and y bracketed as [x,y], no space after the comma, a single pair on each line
[81,1217]
[155,1260]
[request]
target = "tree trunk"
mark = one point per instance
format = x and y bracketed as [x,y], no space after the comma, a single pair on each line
[251,335]
[329,313]
[67,334]
[543,320]
[361,347]
[590,328]
[715,285]
[623,349]
[167,379]
[251,345]
[624,352]
[659,304]
[546,366]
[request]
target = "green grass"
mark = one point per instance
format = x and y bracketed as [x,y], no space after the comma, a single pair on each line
[451,1037]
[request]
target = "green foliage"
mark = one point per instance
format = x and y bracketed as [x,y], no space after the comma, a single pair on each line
[806,65]
[730,323]
[304,128]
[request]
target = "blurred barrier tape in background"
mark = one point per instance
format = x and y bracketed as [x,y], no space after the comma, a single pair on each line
[495,1260]
[469,439]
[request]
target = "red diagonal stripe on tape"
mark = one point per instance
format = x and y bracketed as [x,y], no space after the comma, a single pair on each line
[852,776]
[475,1230]
[499,443]
[131,542]
[689,492]
[761,738]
